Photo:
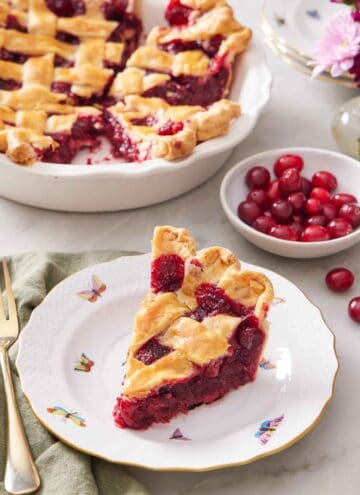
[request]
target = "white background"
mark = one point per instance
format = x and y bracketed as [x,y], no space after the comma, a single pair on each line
[299,114]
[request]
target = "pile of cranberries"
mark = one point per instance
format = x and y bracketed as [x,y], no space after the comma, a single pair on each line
[341,280]
[293,208]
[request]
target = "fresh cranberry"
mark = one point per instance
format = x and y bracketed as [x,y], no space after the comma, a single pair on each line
[257,177]
[177,14]
[339,279]
[260,197]
[297,200]
[321,194]
[306,186]
[340,199]
[264,223]
[283,232]
[313,206]
[248,211]
[317,220]
[288,161]
[282,210]
[315,233]
[324,179]
[329,211]
[167,273]
[350,212]
[170,128]
[273,190]
[290,181]
[299,218]
[297,227]
[339,227]
[354,309]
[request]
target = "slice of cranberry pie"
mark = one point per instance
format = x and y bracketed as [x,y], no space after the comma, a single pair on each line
[198,334]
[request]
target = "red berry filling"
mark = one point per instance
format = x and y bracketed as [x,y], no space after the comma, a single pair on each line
[210,47]
[177,14]
[84,134]
[152,351]
[170,128]
[167,273]
[212,300]
[191,90]
[207,384]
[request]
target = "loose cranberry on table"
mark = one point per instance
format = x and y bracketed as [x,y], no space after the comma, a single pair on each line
[339,279]
[324,179]
[257,177]
[288,161]
[354,309]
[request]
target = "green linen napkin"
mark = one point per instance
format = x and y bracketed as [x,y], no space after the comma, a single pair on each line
[63,470]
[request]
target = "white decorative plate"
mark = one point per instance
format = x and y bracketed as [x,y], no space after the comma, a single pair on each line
[292,389]
[118,186]
[298,23]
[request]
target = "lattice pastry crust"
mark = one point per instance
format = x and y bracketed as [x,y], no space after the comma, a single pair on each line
[66,80]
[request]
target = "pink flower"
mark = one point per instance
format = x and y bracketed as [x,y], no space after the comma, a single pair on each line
[339,47]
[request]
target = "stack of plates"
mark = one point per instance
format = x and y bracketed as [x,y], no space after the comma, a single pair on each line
[292,29]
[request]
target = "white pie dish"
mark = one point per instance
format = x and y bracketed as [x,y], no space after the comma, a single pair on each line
[298,384]
[118,186]
[233,191]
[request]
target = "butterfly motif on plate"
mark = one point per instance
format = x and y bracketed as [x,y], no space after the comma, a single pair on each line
[314,14]
[85,364]
[268,428]
[73,416]
[280,21]
[266,364]
[97,289]
[177,435]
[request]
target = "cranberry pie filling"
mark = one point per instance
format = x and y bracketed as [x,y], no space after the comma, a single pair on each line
[199,334]
[58,55]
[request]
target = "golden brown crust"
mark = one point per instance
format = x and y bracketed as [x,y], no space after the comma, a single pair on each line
[199,124]
[163,315]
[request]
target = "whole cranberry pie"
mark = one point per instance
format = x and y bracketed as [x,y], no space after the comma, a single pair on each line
[198,334]
[72,72]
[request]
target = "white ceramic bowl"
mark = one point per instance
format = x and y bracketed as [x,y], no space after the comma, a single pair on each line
[234,190]
[120,186]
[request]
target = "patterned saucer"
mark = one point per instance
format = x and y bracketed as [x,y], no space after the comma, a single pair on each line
[292,29]
[71,365]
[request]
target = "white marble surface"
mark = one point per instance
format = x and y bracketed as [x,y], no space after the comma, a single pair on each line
[300,113]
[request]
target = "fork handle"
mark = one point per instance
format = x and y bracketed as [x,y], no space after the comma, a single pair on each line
[21,475]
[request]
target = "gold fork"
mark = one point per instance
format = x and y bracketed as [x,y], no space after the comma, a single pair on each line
[21,475]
